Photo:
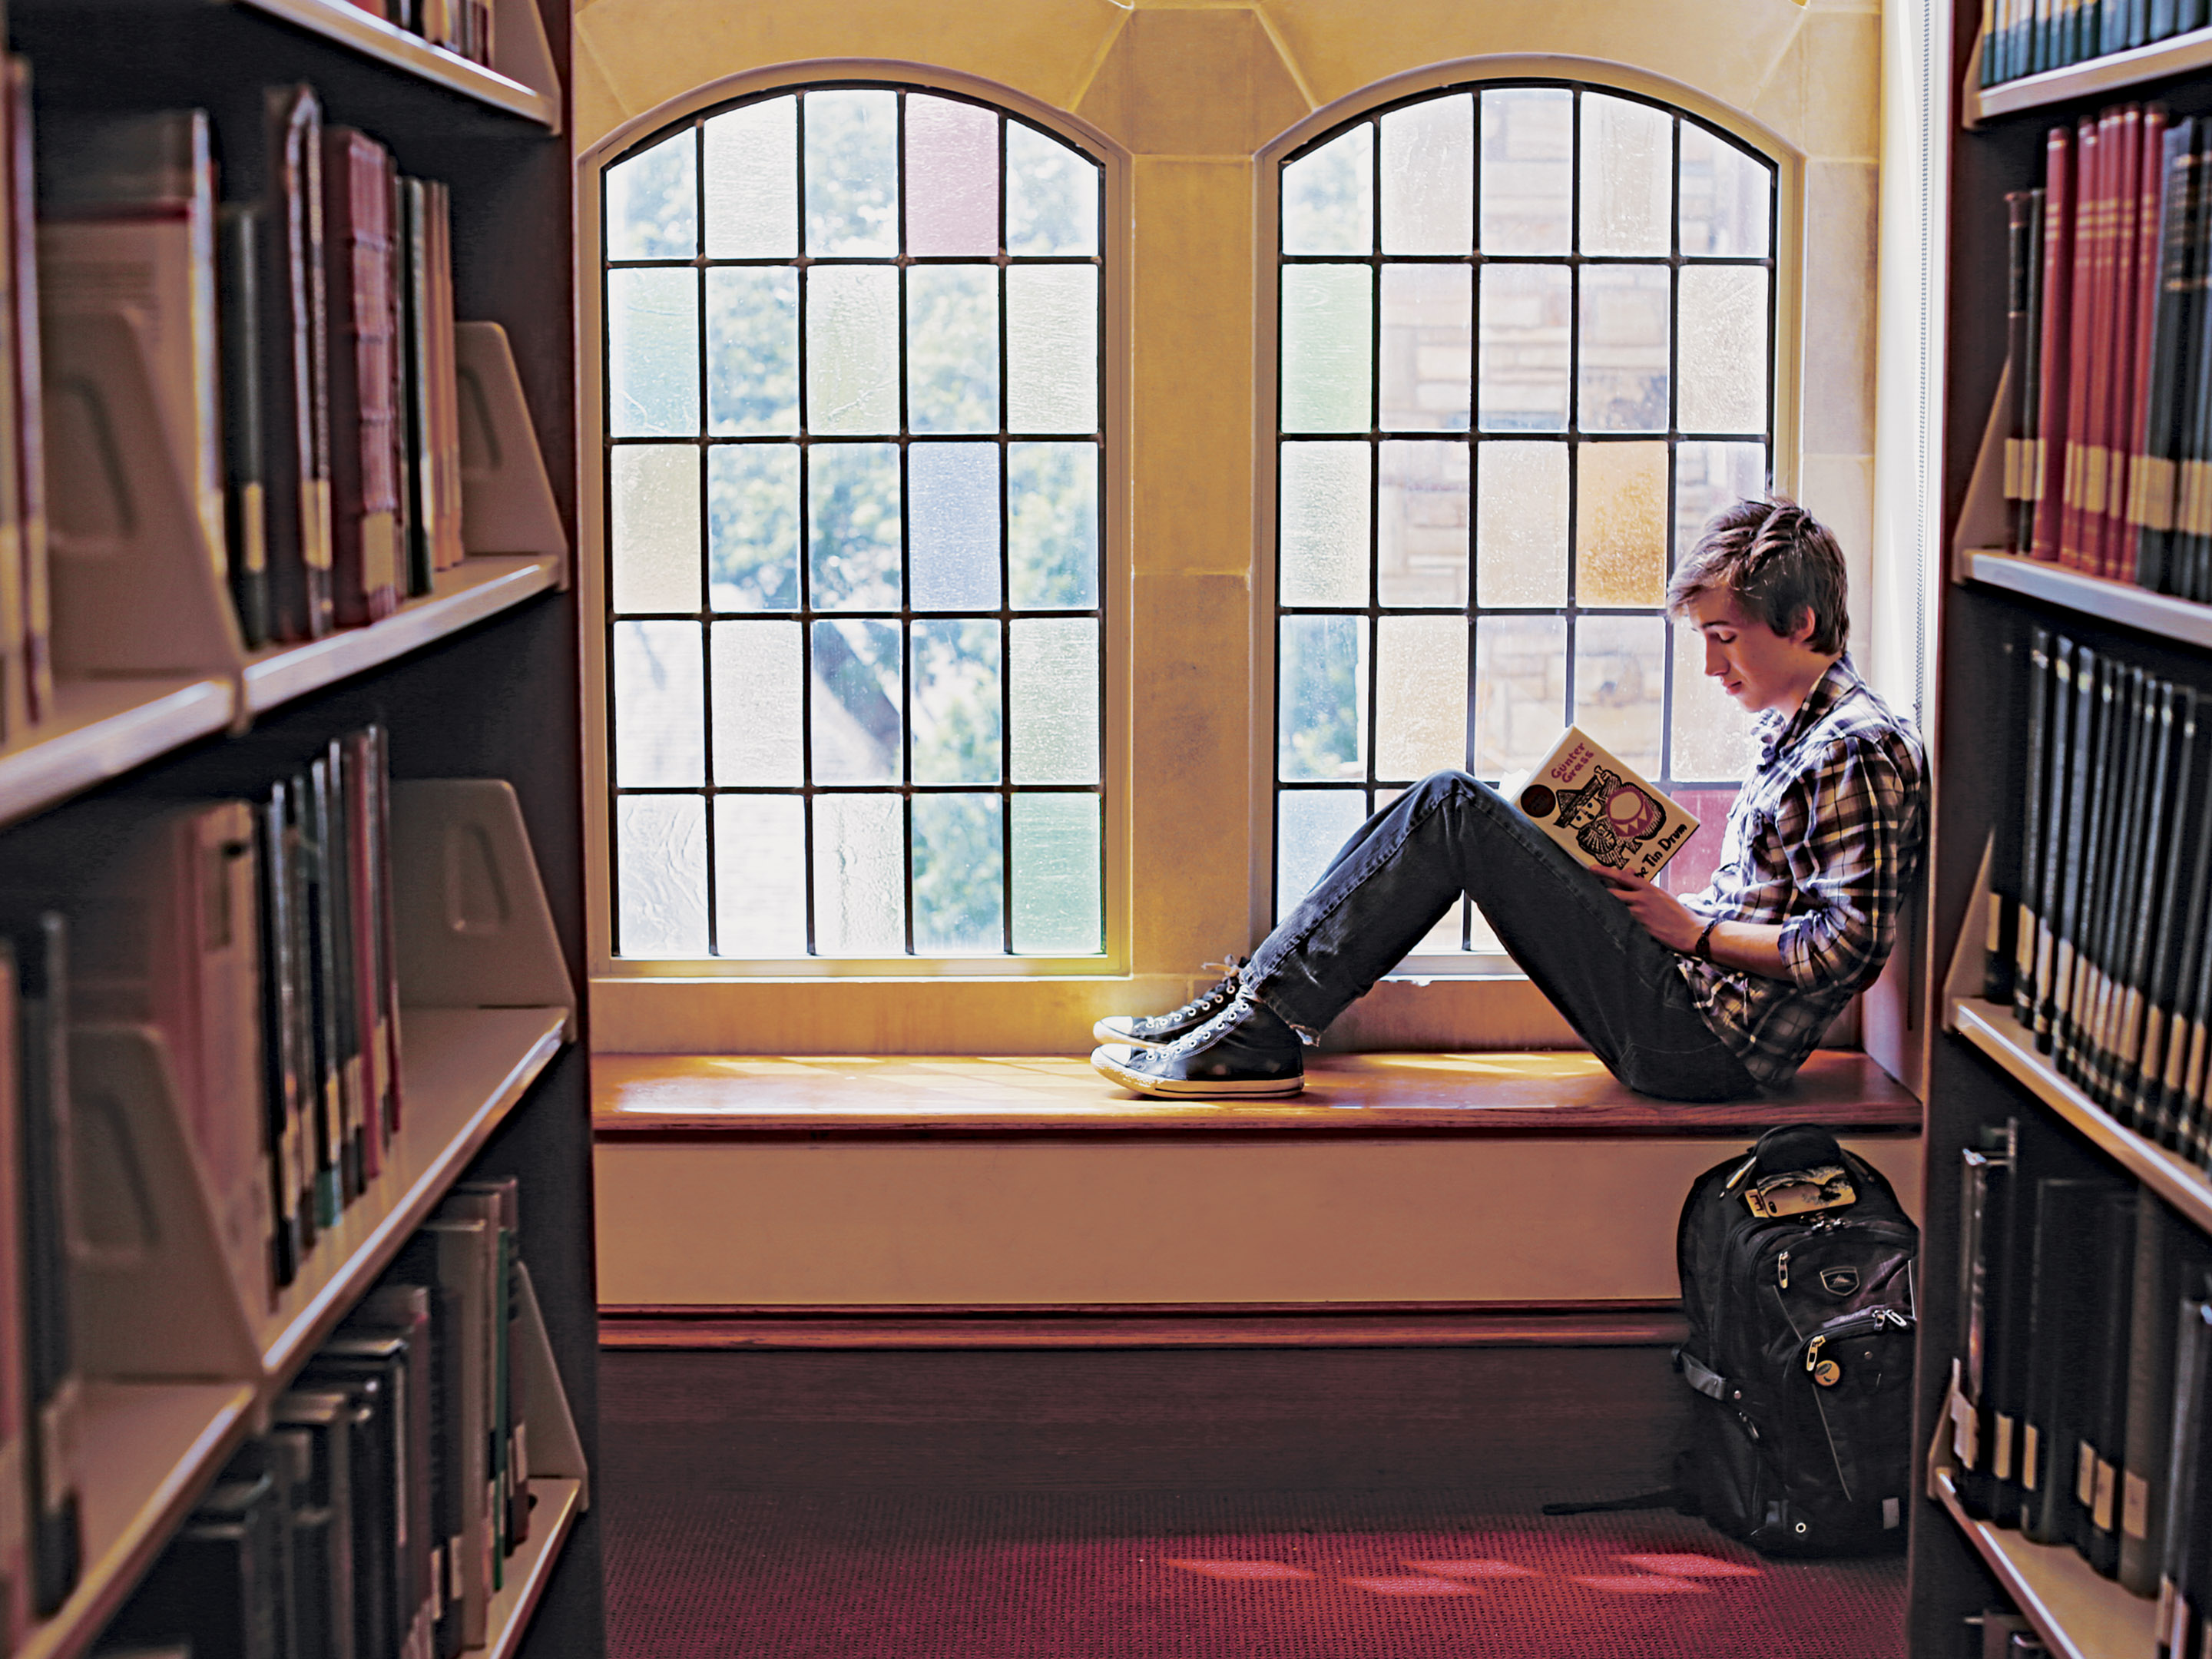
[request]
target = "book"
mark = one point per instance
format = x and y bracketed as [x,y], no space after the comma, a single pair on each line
[2170,1256]
[240,230]
[1596,807]
[365,497]
[2100,1446]
[29,432]
[295,379]
[2029,891]
[1981,1440]
[2058,1381]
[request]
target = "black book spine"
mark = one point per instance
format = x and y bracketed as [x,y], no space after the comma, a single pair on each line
[2160,1115]
[2059,839]
[246,492]
[2158,855]
[2176,209]
[2103,1439]
[2065,1214]
[2187,560]
[2185,1509]
[2007,1249]
[2020,255]
[1972,1440]
[2002,943]
[2117,908]
[318,1036]
[337,838]
[2086,801]
[288,1177]
[2031,904]
[2032,385]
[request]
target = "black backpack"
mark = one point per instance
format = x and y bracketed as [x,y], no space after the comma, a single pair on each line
[1796,1265]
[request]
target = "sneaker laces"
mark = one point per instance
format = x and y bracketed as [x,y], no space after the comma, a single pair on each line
[1223,992]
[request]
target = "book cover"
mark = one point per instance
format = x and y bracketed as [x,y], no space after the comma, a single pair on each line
[2090,154]
[2103,1428]
[403,1312]
[2000,944]
[1982,1193]
[319,1424]
[2059,1357]
[2056,821]
[462,1255]
[238,246]
[2032,772]
[295,379]
[364,496]
[1595,806]
[2144,283]
[2031,382]
[2059,220]
[2157,854]
[2172,309]
[2179,894]
[2018,255]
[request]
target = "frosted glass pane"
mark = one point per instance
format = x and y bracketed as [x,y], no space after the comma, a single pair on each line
[959,879]
[952,349]
[1723,348]
[757,716]
[1327,352]
[1322,535]
[1052,526]
[1528,169]
[1621,682]
[1521,524]
[1321,712]
[1310,825]
[1628,164]
[1428,177]
[655,529]
[853,518]
[653,354]
[1623,384]
[660,875]
[752,350]
[1620,529]
[760,875]
[1726,197]
[1520,690]
[1709,477]
[852,173]
[1052,349]
[1328,196]
[752,181]
[660,705]
[855,702]
[1713,736]
[859,876]
[956,702]
[951,178]
[1421,695]
[1526,324]
[1053,682]
[1428,347]
[653,202]
[1421,550]
[752,527]
[852,348]
[952,527]
[1052,195]
[1058,906]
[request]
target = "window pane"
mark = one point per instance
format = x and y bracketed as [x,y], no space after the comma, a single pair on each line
[660,705]
[752,506]
[1723,348]
[959,885]
[1052,526]
[852,348]
[1693,864]
[1526,324]
[1709,477]
[1054,694]
[753,182]
[760,875]
[951,178]
[1713,739]
[1521,524]
[1321,709]
[956,702]
[855,728]
[853,513]
[1328,355]
[1623,348]
[752,350]
[653,202]
[655,507]
[952,349]
[1420,695]
[1620,683]
[1528,169]
[757,702]
[1628,164]
[1520,690]
[859,876]
[1058,908]
[852,173]
[1620,529]
[653,354]
[1323,534]
[1052,195]
[1726,197]
[1311,824]
[1052,349]
[1328,196]
[1428,347]
[952,527]
[1421,558]
[1428,177]
[660,875]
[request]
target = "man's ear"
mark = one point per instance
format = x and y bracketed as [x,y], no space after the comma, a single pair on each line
[1806,626]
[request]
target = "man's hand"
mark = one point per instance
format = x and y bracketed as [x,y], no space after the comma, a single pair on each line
[1665,917]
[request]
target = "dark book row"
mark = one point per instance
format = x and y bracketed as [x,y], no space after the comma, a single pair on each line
[374,1518]
[462,27]
[2027,37]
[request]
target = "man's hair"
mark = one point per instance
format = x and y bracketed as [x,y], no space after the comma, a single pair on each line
[1777,559]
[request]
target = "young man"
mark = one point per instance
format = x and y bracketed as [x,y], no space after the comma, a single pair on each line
[1707,998]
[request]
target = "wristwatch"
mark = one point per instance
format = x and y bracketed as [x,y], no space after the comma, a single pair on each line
[1704,947]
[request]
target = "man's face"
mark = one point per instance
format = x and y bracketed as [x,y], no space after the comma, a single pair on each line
[1757,666]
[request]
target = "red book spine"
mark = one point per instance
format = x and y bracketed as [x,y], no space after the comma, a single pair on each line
[2149,268]
[2077,343]
[357,254]
[2057,290]
[2096,358]
[2120,351]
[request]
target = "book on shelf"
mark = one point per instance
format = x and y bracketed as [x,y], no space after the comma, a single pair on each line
[2029,37]
[1596,807]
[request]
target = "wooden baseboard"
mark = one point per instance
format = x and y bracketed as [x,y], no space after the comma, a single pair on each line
[1150,1325]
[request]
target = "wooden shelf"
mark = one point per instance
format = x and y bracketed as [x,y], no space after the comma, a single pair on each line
[465,1070]
[101,729]
[2080,1614]
[2098,77]
[531,1567]
[2183,621]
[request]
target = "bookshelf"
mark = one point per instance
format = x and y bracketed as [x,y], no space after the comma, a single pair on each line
[2112,76]
[2079,1615]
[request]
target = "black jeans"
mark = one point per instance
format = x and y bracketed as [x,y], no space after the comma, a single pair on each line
[1449,834]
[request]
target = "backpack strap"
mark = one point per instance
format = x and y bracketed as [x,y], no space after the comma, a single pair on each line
[1700,1376]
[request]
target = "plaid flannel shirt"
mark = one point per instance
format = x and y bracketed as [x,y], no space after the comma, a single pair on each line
[1825,838]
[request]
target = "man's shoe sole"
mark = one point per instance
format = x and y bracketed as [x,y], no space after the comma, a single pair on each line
[1195,1088]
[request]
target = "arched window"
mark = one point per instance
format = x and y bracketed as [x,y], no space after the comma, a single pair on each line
[853,449]
[1526,346]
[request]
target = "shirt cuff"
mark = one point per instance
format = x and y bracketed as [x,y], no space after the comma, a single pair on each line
[1799,945]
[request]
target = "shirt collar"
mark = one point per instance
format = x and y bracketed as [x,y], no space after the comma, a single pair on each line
[1778,733]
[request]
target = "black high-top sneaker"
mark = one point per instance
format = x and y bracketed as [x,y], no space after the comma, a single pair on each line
[1244,1052]
[1157,1031]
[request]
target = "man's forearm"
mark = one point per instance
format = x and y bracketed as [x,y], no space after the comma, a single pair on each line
[1749,947]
